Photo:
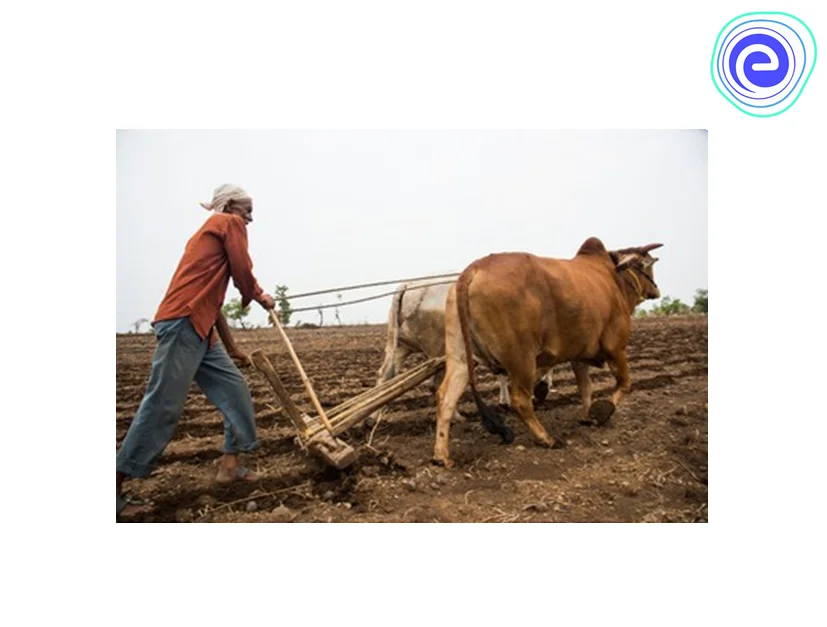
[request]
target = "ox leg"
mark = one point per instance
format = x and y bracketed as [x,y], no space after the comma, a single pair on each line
[524,408]
[543,386]
[439,377]
[603,409]
[522,387]
[505,399]
[391,367]
[624,382]
[584,384]
[456,378]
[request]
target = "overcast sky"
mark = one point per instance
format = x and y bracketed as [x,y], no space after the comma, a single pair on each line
[336,208]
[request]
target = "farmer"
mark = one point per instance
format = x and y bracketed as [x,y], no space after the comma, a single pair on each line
[185,327]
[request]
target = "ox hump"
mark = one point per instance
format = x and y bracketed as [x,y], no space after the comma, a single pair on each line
[592,246]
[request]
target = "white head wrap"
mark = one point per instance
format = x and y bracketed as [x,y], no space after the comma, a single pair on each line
[224,194]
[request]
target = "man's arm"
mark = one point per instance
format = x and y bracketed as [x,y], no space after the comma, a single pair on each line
[226,336]
[241,266]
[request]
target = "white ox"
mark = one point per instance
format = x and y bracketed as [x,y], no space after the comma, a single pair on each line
[416,324]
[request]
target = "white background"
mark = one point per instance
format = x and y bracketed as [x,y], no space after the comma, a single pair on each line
[75,72]
[342,208]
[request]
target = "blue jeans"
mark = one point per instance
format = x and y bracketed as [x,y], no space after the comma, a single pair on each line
[181,356]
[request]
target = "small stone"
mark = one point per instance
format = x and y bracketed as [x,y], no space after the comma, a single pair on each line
[520,447]
[681,411]
[608,451]
[410,484]
[604,442]
[468,475]
[434,485]
[206,500]
[569,442]
[347,505]
[328,496]
[442,479]
[252,506]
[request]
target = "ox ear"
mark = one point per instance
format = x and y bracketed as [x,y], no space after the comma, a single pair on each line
[649,261]
[624,261]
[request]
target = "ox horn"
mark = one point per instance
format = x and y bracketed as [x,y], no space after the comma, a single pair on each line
[645,249]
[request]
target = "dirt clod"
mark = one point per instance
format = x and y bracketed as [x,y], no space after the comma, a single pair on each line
[282,514]
[183,515]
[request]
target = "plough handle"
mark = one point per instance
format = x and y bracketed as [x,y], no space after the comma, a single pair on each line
[307,386]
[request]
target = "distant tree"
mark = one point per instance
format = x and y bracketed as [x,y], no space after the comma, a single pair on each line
[641,313]
[701,301]
[285,311]
[137,324]
[670,307]
[235,314]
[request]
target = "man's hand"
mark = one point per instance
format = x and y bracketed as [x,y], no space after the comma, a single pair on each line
[241,360]
[267,301]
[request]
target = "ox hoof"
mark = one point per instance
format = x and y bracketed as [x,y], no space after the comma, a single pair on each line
[601,411]
[444,461]
[507,435]
[541,391]
[549,442]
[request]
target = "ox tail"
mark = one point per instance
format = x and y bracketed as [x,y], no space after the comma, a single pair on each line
[493,418]
[388,371]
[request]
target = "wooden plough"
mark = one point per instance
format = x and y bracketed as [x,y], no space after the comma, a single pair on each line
[318,433]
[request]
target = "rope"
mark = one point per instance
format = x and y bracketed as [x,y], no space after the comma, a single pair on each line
[289,297]
[367,298]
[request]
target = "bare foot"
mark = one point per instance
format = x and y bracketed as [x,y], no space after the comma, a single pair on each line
[228,475]
[132,507]
[131,511]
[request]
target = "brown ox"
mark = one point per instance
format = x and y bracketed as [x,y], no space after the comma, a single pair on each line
[521,313]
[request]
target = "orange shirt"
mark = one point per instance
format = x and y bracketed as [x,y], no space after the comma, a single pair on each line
[215,253]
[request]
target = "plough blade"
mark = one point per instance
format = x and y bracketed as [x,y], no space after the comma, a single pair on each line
[332,450]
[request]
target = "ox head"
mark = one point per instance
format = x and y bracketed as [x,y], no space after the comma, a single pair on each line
[638,265]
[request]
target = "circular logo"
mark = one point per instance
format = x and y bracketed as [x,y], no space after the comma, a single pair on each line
[762,61]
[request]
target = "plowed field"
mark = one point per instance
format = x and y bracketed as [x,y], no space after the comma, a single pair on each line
[647,464]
